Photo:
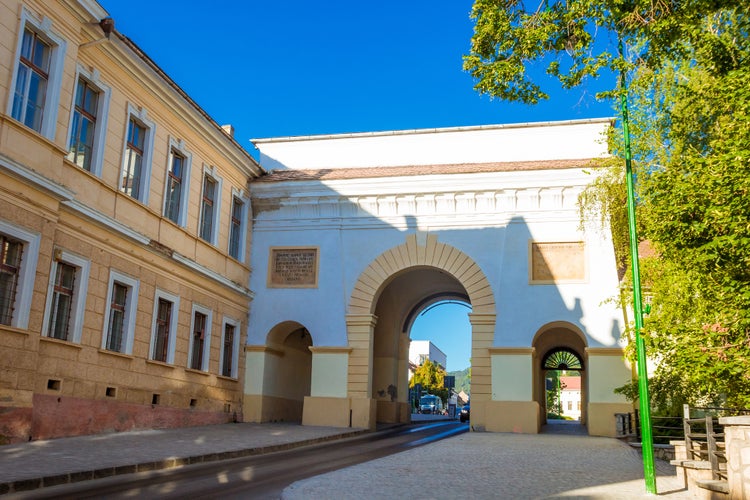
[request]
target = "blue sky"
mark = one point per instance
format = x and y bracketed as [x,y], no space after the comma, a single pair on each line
[447,326]
[304,68]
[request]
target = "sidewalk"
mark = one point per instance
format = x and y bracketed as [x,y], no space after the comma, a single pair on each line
[37,464]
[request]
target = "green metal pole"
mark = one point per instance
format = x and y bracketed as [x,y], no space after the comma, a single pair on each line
[647,443]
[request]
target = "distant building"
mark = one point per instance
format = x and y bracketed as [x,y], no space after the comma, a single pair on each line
[463,398]
[422,350]
[570,397]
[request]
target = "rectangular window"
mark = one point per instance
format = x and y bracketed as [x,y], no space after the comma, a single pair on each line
[132,174]
[117,317]
[37,72]
[83,129]
[19,252]
[173,200]
[235,228]
[207,209]
[10,264]
[119,326]
[164,328]
[199,350]
[62,302]
[230,346]
[227,350]
[198,341]
[135,176]
[163,323]
[30,94]
[66,297]
[570,405]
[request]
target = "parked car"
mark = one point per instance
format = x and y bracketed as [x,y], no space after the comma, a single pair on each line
[431,404]
[465,413]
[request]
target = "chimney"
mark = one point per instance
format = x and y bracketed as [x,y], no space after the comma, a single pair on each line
[228,129]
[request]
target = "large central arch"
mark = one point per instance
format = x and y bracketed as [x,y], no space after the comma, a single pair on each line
[419,252]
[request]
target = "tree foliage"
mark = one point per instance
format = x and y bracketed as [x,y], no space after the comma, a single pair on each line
[687,65]
[432,378]
[579,39]
[696,210]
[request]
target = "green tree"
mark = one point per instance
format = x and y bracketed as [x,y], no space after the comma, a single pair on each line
[579,39]
[687,70]
[432,378]
[696,210]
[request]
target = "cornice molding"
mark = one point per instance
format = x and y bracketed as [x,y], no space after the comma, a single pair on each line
[330,350]
[34,178]
[512,351]
[552,200]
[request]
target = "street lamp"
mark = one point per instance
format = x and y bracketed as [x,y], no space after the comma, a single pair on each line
[647,443]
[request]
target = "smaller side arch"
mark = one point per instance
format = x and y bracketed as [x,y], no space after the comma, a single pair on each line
[286,374]
[562,346]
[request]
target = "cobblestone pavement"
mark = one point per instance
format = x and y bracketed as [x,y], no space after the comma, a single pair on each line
[498,466]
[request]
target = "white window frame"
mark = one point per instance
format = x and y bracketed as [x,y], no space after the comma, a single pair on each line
[210,171]
[26,274]
[235,347]
[102,112]
[78,305]
[207,337]
[173,321]
[131,309]
[240,195]
[42,28]
[141,117]
[179,146]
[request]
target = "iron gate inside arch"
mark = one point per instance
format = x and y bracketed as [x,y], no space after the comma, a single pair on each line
[562,358]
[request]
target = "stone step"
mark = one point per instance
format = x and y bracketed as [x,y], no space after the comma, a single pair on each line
[714,485]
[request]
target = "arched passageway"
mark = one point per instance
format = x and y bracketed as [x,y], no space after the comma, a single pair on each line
[408,293]
[560,347]
[286,373]
[386,297]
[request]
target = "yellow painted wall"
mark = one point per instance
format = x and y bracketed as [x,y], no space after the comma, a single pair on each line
[511,377]
[329,374]
[607,371]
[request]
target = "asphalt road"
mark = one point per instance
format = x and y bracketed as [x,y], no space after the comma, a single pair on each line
[258,477]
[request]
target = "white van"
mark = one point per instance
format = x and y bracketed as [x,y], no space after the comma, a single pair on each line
[431,404]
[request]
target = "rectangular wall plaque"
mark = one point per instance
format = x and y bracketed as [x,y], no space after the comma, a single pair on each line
[293,267]
[557,262]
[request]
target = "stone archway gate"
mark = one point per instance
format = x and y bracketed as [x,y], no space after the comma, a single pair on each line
[495,207]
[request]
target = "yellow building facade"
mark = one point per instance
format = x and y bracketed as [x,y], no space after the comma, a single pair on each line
[124,235]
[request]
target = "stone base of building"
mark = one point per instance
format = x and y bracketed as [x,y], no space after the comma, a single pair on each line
[340,412]
[257,408]
[601,418]
[506,416]
[393,412]
[61,416]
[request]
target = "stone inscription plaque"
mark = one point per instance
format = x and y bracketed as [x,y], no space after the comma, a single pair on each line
[293,268]
[557,262]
